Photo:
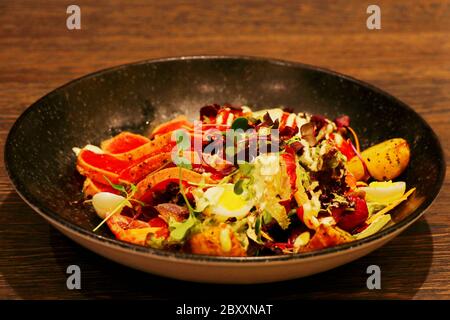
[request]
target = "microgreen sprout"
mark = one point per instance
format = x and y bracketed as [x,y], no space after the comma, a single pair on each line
[191,210]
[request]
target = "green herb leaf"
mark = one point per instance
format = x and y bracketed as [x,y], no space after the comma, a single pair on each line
[245,168]
[139,202]
[238,189]
[258,227]
[118,187]
[191,210]
[178,230]
[240,123]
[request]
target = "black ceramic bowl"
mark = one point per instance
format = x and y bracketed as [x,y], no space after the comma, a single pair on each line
[136,97]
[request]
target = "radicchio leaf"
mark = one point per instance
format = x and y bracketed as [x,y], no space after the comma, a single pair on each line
[209,111]
[342,121]
[319,121]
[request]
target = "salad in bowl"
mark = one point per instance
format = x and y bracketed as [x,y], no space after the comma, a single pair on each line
[237,182]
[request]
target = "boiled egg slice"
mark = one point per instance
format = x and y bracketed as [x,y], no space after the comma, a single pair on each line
[223,201]
[385,191]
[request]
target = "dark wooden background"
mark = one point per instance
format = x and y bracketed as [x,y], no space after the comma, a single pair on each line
[409,57]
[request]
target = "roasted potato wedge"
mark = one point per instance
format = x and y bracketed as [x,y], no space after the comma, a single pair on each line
[327,236]
[217,241]
[384,161]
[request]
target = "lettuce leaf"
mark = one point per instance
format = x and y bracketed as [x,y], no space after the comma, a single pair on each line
[374,227]
[278,212]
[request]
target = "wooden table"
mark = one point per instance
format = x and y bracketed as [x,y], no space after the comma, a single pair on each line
[409,57]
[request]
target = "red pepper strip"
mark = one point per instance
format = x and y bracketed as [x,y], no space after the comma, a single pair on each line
[300,212]
[283,120]
[160,223]
[346,148]
[289,160]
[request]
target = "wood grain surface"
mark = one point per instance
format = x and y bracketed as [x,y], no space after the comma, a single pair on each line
[409,57]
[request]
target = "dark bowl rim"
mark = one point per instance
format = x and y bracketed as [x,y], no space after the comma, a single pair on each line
[53,216]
